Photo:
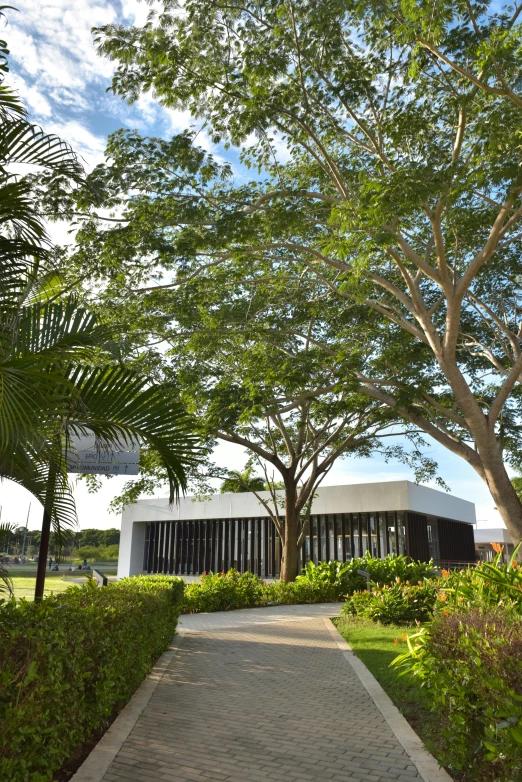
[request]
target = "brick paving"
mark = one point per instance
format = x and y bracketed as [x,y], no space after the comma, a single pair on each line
[261,701]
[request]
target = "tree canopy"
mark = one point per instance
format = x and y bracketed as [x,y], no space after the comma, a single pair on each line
[402,190]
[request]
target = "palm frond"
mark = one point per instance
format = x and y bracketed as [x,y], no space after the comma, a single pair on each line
[23,142]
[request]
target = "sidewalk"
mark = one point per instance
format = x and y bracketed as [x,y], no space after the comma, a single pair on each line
[261,695]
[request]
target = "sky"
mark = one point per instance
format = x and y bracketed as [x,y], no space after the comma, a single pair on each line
[64,83]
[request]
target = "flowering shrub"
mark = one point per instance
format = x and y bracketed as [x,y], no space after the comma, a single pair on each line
[470,662]
[489,585]
[67,661]
[398,603]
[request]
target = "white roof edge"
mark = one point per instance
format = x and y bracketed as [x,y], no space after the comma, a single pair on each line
[346,498]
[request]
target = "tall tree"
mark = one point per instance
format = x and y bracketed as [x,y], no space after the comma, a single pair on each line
[403,190]
[241,343]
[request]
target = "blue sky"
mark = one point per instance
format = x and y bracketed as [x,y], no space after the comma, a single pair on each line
[63,81]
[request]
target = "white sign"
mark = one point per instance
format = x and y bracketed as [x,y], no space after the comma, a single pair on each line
[89,456]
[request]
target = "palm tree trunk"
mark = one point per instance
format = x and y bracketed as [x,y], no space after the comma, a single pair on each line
[46,533]
[42,556]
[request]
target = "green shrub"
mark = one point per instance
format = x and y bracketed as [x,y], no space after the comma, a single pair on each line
[400,603]
[470,663]
[296,592]
[489,585]
[66,662]
[382,571]
[224,592]
[233,590]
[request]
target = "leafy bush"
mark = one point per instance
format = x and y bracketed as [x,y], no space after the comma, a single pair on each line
[489,585]
[224,592]
[66,663]
[297,592]
[382,571]
[323,583]
[232,590]
[470,662]
[401,603]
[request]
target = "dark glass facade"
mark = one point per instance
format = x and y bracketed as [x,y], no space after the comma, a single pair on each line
[195,547]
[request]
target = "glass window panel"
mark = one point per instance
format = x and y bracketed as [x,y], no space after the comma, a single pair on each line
[323,539]
[433,541]
[364,529]
[382,534]
[402,533]
[356,548]
[392,546]
[373,535]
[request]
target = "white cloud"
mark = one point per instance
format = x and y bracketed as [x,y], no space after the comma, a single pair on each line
[86,144]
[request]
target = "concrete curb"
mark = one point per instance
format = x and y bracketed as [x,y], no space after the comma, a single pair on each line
[424,762]
[97,763]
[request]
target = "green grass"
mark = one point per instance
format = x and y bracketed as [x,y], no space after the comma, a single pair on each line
[24,580]
[375,645]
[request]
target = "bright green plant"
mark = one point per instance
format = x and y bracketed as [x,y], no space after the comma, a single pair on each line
[489,585]
[470,663]
[224,592]
[302,591]
[382,571]
[68,661]
[400,603]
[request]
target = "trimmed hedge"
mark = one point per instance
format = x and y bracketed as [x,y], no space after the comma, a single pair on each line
[232,590]
[66,663]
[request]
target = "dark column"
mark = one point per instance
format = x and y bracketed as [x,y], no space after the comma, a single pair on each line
[220,565]
[150,561]
[335,537]
[273,548]
[245,545]
[226,541]
[343,533]
[266,568]
[351,536]
[252,545]
[172,538]
[319,542]
[327,538]
[208,544]
[146,549]
[259,547]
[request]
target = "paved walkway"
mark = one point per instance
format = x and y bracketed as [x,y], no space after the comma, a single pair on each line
[263,695]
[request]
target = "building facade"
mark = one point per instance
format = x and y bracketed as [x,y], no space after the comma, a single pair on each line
[488,542]
[234,530]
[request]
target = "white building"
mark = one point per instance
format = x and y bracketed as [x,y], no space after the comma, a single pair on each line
[235,530]
[485,538]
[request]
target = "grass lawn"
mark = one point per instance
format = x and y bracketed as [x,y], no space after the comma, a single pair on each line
[375,645]
[24,580]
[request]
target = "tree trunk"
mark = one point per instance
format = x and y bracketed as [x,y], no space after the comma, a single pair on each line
[501,489]
[289,561]
[46,533]
[42,556]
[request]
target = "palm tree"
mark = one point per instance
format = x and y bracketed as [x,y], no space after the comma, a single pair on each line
[242,481]
[57,379]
